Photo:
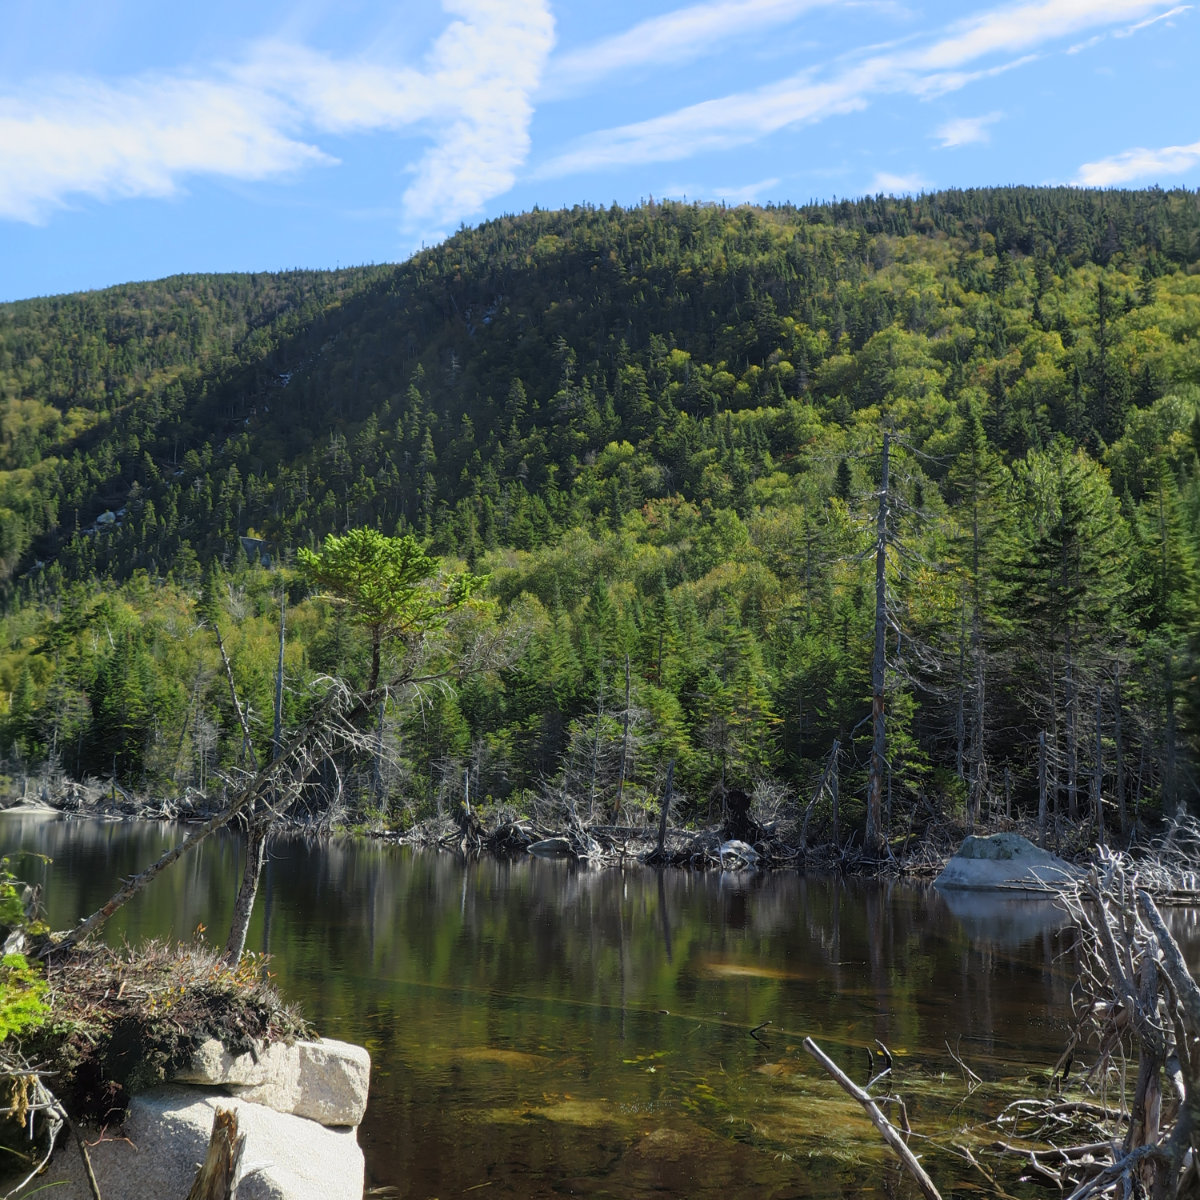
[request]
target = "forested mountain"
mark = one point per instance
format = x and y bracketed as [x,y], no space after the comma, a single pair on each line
[660,432]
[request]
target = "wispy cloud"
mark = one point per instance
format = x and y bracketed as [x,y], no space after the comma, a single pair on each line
[1178,10]
[965,131]
[674,37]
[897,185]
[738,193]
[1139,164]
[263,115]
[1130,30]
[139,139]
[946,63]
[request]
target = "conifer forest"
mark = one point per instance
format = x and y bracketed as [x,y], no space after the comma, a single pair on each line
[905,487]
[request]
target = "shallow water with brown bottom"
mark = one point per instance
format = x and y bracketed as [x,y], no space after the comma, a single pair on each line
[542,1030]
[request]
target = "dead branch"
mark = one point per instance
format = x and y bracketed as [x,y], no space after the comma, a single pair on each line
[1136,1004]
[41,1099]
[282,776]
[890,1133]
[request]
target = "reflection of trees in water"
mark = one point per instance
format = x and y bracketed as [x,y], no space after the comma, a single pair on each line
[356,925]
[443,968]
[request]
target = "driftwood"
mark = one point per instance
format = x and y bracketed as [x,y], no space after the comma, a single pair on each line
[890,1133]
[1135,1000]
[218,1176]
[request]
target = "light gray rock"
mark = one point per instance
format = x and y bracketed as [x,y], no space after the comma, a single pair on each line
[1007,861]
[325,1081]
[737,855]
[164,1140]
[214,1066]
[555,847]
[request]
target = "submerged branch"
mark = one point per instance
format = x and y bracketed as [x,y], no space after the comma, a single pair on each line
[890,1133]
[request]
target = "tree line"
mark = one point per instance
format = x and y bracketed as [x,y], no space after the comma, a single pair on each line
[660,433]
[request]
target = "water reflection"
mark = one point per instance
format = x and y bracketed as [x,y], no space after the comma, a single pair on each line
[988,918]
[540,1029]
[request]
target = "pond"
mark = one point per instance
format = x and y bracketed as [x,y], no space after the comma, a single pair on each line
[539,1029]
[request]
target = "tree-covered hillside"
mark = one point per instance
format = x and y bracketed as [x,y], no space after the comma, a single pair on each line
[660,432]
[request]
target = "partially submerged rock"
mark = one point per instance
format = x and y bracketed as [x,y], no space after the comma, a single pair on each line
[554,847]
[737,855]
[1005,861]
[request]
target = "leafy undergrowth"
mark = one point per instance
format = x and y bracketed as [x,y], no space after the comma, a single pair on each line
[123,1019]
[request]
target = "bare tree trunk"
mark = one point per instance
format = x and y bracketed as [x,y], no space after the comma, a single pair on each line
[664,816]
[243,908]
[277,725]
[873,836]
[889,1132]
[377,783]
[256,829]
[835,797]
[1172,800]
[376,658]
[1054,761]
[960,714]
[624,748]
[248,754]
[977,732]
[1042,798]
[1072,743]
[1098,770]
[595,753]
[1118,704]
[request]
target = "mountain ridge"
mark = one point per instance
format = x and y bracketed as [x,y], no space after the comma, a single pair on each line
[704,387]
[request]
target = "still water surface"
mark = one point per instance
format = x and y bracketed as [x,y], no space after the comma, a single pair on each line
[541,1030]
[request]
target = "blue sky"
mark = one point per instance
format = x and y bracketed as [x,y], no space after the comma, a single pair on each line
[139,139]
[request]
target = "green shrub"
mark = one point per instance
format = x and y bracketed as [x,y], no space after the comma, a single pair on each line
[22,984]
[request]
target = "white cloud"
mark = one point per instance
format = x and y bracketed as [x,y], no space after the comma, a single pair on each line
[942,82]
[711,125]
[138,140]
[484,72]
[261,116]
[966,131]
[945,64]
[737,193]
[675,36]
[1024,26]
[897,185]
[1178,10]
[744,193]
[1139,164]
[1130,30]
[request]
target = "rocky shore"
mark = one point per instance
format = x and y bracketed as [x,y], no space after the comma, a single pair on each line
[298,1107]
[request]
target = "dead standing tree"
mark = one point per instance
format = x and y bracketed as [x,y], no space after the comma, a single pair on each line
[873,837]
